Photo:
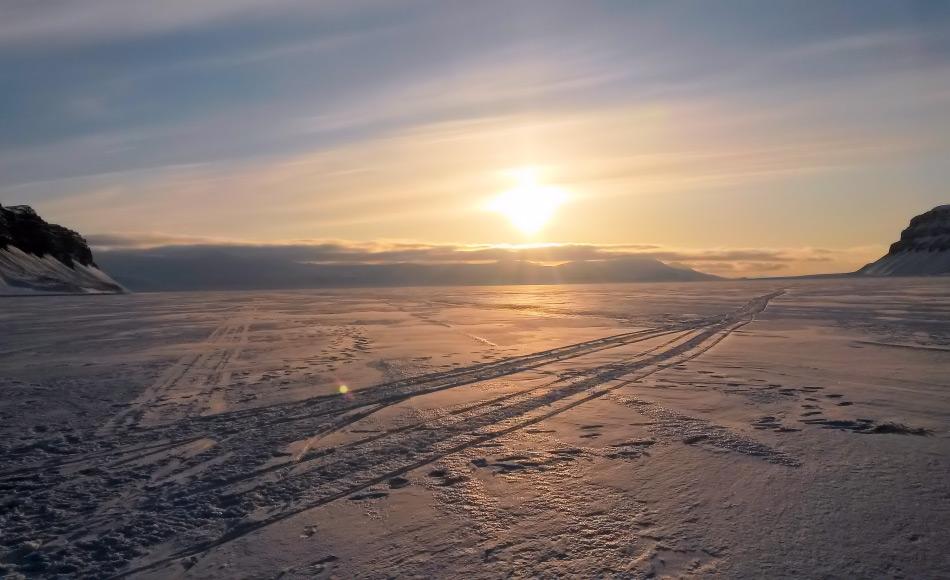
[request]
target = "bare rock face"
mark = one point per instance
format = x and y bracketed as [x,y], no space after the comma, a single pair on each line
[922,250]
[39,257]
[22,227]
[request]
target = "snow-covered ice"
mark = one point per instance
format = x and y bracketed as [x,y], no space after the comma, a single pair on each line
[794,429]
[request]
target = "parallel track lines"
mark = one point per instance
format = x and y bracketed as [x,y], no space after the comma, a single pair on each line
[588,388]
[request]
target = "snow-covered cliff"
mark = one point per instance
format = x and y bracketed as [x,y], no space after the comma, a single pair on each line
[37,257]
[923,249]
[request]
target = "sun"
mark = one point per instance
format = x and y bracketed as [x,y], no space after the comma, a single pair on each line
[529,206]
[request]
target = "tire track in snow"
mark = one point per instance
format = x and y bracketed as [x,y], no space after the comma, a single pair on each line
[196,375]
[159,511]
[600,384]
[393,392]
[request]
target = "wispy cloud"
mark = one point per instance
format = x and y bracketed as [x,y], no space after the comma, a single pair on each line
[95,21]
[437,176]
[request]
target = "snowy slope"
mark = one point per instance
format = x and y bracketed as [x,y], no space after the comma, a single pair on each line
[923,249]
[22,273]
[37,257]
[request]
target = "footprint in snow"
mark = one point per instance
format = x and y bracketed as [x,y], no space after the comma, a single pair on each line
[447,479]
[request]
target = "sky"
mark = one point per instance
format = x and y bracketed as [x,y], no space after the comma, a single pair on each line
[742,138]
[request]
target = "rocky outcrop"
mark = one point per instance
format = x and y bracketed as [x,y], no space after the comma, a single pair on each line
[922,250]
[39,257]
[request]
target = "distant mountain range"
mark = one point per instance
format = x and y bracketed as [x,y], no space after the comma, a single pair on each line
[922,250]
[286,267]
[39,257]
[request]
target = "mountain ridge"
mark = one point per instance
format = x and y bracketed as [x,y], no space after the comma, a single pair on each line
[212,267]
[922,250]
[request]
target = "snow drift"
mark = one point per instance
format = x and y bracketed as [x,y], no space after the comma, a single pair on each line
[37,257]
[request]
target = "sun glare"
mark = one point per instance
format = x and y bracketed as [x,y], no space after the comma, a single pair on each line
[530,205]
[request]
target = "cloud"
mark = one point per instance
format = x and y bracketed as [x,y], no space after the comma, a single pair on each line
[154,103]
[69,22]
[106,242]
[433,178]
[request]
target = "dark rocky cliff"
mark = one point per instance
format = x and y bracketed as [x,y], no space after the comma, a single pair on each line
[37,257]
[22,228]
[928,232]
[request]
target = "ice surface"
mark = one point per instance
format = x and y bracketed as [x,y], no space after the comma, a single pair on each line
[744,430]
